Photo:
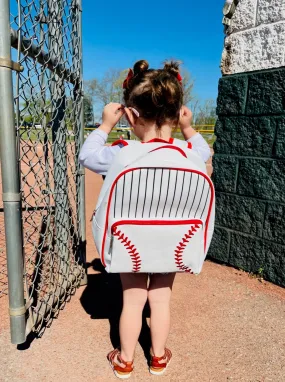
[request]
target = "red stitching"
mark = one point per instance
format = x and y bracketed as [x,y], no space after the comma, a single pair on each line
[133,252]
[181,247]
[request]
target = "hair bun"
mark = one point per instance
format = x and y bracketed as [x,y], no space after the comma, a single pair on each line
[172,67]
[140,67]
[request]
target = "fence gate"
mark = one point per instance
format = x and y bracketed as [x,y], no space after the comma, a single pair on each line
[41,132]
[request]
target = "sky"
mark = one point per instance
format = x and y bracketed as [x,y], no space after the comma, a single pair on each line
[118,33]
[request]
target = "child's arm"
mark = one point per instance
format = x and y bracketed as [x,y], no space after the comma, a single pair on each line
[94,155]
[200,146]
[190,135]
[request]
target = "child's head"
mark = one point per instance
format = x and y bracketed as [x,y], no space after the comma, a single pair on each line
[156,94]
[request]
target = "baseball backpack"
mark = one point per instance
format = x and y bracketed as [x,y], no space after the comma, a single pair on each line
[155,211]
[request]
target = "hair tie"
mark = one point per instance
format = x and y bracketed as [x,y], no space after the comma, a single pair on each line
[128,78]
[179,77]
[135,111]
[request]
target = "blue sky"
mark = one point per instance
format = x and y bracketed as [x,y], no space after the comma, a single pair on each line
[116,34]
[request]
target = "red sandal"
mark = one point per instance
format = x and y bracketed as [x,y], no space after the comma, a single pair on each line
[119,371]
[156,366]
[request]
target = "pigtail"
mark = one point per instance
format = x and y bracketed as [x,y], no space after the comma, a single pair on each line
[172,67]
[140,67]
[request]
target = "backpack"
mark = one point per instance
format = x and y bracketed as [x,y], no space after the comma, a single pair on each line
[155,211]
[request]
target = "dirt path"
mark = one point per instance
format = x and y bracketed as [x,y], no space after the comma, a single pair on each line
[226,326]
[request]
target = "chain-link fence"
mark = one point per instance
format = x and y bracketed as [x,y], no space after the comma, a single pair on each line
[47,123]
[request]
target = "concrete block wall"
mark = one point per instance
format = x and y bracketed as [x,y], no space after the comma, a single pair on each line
[249,160]
[256,37]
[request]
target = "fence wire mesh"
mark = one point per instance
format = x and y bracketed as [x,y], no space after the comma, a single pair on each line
[46,35]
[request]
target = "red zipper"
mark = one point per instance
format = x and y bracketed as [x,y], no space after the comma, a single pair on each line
[155,222]
[170,147]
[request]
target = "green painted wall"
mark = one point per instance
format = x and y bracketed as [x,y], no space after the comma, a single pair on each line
[249,173]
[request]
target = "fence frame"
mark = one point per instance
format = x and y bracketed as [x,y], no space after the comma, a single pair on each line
[81,169]
[11,182]
[21,324]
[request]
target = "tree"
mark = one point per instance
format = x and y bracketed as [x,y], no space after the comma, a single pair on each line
[108,88]
[90,88]
[88,110]
[204,113]
[35,109]
[194,106]
[188,85]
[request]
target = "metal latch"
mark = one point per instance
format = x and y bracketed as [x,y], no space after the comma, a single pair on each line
[6,63]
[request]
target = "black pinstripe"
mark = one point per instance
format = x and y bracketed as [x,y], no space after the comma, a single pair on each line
[198,178]
[200,197]
[187,195]
[145,192]
[130,195]
[159,192]
[166,193]
[138,194]
[180,194]
[174,193]
[152,193]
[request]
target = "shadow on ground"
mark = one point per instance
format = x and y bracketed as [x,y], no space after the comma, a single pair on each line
[102,299]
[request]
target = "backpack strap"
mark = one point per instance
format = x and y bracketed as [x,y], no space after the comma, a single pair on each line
[183,144]
[171,141]
[120,142]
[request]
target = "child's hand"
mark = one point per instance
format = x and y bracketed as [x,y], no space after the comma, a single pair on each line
[185,123]
[111,116]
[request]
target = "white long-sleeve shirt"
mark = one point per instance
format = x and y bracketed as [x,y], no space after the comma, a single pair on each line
[98,157]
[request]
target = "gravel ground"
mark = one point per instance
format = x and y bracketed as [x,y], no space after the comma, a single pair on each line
[226,326]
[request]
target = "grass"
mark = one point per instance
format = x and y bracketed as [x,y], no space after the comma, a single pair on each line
[210,138]
[31,135]
[37,135]
[115,135]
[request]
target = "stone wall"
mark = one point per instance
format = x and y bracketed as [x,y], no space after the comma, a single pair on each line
[249,160]
[256,37]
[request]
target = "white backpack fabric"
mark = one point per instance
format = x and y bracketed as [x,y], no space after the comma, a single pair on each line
[156,209]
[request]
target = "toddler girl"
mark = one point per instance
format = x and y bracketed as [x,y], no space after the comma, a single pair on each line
[154,107]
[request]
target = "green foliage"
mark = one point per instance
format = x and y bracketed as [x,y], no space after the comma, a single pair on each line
[204,113]
[260,272]
[109,88]
[188,85]
[35,110]
[88,109]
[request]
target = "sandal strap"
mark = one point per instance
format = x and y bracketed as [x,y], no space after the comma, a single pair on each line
[158,364]
[128,365]
[155,361]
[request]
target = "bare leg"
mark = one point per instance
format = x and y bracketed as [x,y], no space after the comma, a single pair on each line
[159,295]
[134,299]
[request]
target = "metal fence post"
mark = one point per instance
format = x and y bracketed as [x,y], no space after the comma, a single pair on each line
[11,183]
